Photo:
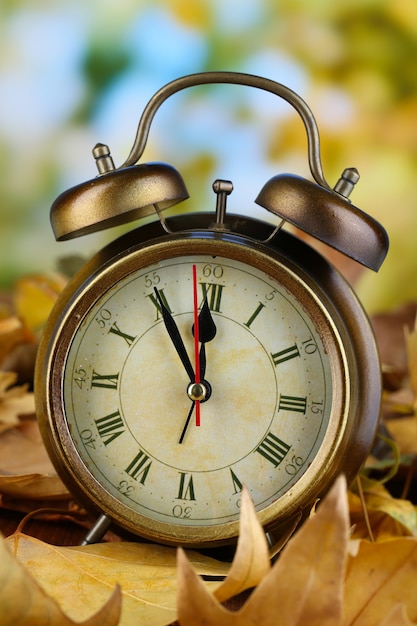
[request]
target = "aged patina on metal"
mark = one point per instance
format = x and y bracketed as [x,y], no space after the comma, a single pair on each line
[293,387]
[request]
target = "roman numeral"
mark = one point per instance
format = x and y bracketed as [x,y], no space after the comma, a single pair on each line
[273,449]
[110,427]
[186,488]
[116,331]
[139,467]
[285,355]
[292,403]
[237,485]
[213,293]
[254,315]
[155,301]
[107,381]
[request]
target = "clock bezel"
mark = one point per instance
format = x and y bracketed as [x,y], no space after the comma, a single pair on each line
[312,278]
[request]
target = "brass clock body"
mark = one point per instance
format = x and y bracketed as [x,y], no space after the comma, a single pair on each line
[291,380]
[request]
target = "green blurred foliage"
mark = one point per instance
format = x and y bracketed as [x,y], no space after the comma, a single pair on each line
[357,63]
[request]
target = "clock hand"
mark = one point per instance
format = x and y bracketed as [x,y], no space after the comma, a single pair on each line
[196,342]
[187,421]
[175,337]
[207,332]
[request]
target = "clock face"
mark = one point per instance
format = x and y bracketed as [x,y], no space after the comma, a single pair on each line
[272,379]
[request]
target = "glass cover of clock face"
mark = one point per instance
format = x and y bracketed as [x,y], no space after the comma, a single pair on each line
[264,400]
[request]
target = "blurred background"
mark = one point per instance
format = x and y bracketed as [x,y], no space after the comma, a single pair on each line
[74,73]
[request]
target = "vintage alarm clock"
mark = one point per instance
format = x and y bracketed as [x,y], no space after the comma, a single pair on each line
[206,351]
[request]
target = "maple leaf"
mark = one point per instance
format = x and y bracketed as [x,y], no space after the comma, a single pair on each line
[251,562]
[304,587]
[320,579]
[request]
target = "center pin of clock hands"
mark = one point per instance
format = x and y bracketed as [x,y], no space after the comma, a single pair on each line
[207,331]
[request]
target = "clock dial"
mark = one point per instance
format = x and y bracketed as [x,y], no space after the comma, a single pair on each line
[265,400]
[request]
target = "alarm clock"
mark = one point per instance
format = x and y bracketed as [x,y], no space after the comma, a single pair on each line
[207,351]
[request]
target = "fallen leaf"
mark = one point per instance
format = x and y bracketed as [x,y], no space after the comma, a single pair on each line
[303,588]
[196,606]
[81,578]
[379,577]
[389,332]
[34,297]
[404,432]
[397,617]
[12,333]
[306,583]
[251,562]
[33,487]
[14,401]
[22,451]
[380,505]
[26,472]
[24,602]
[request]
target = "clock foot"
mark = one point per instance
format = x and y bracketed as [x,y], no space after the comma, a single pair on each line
[97,532]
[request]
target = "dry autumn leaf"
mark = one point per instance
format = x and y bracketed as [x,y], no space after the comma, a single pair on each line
[146,573]
[26,472]
[251,562]
[304,587]
[389,517]
[23,601]
[34,297]
[14,401]
[307,585]
[80,579]
[379,577]
[12,333]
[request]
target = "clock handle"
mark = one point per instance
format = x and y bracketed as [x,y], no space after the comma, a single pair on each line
[234,78]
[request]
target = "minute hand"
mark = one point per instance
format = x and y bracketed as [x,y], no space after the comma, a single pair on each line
[175,337]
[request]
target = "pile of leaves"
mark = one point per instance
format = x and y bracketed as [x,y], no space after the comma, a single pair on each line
[353,562]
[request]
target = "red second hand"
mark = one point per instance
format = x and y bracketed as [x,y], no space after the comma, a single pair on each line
[196,344]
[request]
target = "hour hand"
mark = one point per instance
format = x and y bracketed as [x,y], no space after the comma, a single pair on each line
[175,336]
[207,332]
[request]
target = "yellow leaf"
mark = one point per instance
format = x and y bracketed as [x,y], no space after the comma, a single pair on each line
[304,587]
[33,487]
[196,606]
[81,578]
[23,601]
[12,333]
[397,617]
[14,401]
[22,451]
[404,432]
[251,561]
[379,577]
[34,297]
[381,504]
